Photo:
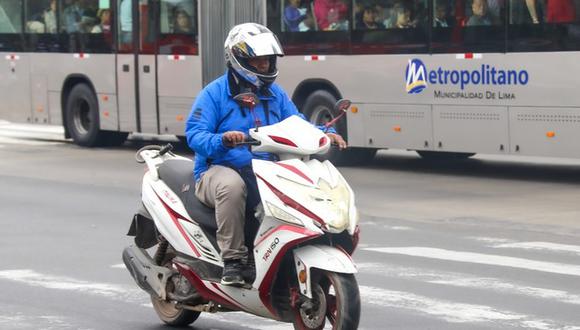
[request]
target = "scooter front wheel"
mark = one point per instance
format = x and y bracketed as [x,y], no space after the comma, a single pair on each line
[336,298]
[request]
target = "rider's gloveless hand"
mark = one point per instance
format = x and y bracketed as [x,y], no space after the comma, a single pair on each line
[230,138]
[338,140]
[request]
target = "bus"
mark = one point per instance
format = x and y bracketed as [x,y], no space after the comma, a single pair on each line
[446,78]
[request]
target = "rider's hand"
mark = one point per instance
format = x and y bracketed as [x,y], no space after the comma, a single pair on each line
[338,140]
[230,138]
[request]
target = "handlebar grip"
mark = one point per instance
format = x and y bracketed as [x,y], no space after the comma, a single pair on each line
[165,149]
[249,142]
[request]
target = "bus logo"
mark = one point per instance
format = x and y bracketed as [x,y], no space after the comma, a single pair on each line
[416,76]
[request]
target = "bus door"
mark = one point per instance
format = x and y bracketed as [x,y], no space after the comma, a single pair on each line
[147,67]
[136,67]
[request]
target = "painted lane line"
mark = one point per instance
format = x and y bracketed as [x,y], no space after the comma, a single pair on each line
[457,312]
[492,240]
[467,281]
[120,266]
[111,291]
[545,246]
[118,293]
[480,258]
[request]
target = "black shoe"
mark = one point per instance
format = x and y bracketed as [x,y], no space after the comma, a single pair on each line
[249,270]
[232,274]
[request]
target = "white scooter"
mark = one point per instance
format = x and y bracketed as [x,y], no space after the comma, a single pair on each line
[302,249]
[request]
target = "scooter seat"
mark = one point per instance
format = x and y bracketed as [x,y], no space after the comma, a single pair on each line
[178,176]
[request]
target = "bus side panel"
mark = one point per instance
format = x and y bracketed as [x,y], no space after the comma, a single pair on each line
[396,126]
[126,98]
[179,81]
[97,69]
[481,129]
[40,111]
[15,87]
[552,132]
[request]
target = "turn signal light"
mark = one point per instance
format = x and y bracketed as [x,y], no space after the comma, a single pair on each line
[302,276]
[397,129]
[354,109]
[179,118]
[322,141]
[551,134]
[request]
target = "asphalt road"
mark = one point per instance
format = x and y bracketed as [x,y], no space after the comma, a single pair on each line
[489,243]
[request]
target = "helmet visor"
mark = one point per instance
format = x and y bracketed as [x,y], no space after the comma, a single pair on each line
[263,44]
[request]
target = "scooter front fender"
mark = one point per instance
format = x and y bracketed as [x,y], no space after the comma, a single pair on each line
[321,257]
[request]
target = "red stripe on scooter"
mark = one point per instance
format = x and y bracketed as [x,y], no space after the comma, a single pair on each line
[296,171]
[265,288]
[298,230]
[292,203]
[204,291]
[233,301]
[175,217]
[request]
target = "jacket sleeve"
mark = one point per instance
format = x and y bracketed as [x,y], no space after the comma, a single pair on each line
[201,127]
[288,109]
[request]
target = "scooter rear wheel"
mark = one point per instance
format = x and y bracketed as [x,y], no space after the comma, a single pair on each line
[171,315]
[336,298]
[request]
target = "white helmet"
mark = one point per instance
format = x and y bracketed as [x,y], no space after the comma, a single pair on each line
[250,40]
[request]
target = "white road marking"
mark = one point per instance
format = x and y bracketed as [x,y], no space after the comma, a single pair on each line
[111,291]
[480,258]
[456,312]
[546,246]
[120,266]
[492,240]
[467,281]
[9,140]
[26,321]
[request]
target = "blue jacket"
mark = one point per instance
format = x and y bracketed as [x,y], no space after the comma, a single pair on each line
[215,112]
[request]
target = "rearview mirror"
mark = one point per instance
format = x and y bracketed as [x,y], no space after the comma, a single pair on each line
[342,105]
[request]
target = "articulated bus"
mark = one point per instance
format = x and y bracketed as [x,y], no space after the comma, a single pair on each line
[447,78]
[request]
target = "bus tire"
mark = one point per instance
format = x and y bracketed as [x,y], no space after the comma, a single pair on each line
[319,109]
[444,156]
[82,116]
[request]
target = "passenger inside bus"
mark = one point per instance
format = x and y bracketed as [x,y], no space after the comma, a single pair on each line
[42,18]
[79,16]
[104,25]
[368,19]
[401,17]
[182,22]
[560,11]
[479,14]
[331,15]
[441,16]
[524,12]
[294,14]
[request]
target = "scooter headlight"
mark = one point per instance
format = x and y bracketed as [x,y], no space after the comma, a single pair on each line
[282,215]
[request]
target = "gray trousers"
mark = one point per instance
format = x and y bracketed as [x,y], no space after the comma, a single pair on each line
[224,189]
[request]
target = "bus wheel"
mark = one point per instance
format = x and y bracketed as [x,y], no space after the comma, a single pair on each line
[319,109]
[444,156]
[82,116]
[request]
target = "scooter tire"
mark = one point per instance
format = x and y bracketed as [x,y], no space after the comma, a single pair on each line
[171,315]
[342,307]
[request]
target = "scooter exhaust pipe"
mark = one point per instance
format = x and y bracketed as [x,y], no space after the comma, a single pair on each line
[147,275]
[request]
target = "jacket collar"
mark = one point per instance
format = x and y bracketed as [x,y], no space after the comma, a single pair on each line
[234,88]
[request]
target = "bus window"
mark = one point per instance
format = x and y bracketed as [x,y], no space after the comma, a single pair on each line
[387,26]
[11,25]
[86,24]
[468,26]
[40,16]
[311,26]
[178,27]
[544,26]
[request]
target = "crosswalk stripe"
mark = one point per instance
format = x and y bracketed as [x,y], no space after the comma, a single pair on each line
[546,246]
[466,281]
[456,312]
[480,258]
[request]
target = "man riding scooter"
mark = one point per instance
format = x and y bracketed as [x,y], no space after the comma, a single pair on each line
[217,123]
